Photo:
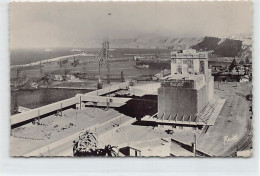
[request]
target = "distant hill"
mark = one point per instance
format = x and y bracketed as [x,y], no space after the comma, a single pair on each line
[230,46]
[225,48]
[150,41]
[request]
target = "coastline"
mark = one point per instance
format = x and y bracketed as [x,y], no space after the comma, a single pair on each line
[50,60]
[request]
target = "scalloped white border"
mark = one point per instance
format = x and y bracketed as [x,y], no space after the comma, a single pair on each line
[120,166]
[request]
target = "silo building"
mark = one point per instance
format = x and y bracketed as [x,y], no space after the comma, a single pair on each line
[185,94]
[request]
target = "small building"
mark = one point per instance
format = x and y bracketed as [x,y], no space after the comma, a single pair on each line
[129,151]
[58,78]
[154,147]
[137,58]
[238,70]
[71,78]
[163,147]
[34,85]
[244,79]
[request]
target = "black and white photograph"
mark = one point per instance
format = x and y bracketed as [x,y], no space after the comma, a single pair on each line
[131,79]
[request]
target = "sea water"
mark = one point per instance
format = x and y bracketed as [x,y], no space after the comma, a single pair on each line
[40,97]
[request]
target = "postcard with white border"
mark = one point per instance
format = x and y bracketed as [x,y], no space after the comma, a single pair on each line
[131,79]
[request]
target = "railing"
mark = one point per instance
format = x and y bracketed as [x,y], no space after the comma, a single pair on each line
[191,56]
[33,113]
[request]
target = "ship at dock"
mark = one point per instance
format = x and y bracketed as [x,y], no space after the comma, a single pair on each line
[141,66]
[159,63]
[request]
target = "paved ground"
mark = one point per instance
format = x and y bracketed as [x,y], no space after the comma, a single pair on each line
[131,133]
[233,123]
[29,137]
[64,146]
[231,132]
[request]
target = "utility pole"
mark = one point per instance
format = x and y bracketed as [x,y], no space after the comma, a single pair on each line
[84,70]
[99,65]
[76,117]
[122,76]
[94,103]
[41,71]
[195,144]
[107,104]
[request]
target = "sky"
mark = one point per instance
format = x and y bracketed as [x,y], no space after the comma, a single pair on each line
[41,24]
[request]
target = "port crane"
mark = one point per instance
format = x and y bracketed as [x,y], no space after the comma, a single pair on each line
[104,58]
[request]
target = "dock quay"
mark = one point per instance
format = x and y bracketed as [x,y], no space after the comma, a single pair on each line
[98,98]
[67,87]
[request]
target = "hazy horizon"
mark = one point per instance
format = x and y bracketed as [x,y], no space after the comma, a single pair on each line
[54,25]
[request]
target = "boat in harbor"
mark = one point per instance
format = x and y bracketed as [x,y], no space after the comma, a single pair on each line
[32,86]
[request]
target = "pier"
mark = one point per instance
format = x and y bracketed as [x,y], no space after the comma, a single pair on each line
[97,97]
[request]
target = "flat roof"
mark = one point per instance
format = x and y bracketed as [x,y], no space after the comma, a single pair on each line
[145,89]
[199,82]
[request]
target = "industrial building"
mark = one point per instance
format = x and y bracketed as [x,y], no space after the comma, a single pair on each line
[184,95]
[189,88]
